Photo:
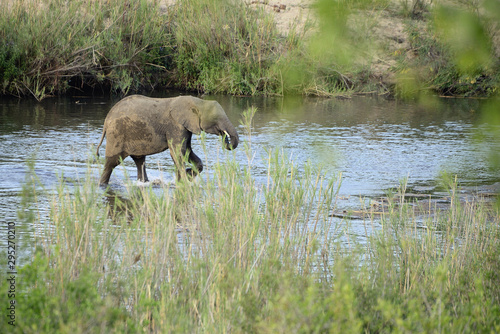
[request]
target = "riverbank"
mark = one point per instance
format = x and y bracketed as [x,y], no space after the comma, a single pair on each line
[389,47]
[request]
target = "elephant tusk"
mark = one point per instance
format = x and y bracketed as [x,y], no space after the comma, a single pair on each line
[226,139]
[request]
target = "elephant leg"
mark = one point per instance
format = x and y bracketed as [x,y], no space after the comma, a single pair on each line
[178,162]
[140,162]
[177,152]
[196,161]
[109,165]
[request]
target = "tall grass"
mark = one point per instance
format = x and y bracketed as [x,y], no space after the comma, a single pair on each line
[206,46]
[230,254]
[56,46]
[225,46]
[50,46]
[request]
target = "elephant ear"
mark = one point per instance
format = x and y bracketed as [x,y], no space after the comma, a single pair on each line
[186,114]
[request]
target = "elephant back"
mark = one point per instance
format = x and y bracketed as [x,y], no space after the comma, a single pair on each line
[134,127]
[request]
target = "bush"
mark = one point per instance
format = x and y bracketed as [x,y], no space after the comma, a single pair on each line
[58,45]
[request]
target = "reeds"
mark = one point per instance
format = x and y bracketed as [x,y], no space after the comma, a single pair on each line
[51,46]
[55,47]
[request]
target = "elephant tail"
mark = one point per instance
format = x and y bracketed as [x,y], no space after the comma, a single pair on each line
[102,138]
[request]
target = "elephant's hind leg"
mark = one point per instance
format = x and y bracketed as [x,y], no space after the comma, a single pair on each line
[140,162]
[109,165]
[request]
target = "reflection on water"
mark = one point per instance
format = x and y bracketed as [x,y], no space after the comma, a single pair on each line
[373,142]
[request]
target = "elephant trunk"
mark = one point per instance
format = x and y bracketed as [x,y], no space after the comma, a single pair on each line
[232,138]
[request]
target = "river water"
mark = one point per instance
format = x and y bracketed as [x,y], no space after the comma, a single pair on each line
[374,143]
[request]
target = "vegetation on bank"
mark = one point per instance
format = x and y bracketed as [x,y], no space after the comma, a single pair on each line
[229,254]
[457,52]
[57,46]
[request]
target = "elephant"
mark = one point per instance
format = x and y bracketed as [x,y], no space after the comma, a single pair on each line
[138,126]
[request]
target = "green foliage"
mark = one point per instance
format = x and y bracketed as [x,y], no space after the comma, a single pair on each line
[453,55]
[224,46]
[467,37]
[233,48]
[114,44]
[331,60]
[8,67]
[47,304]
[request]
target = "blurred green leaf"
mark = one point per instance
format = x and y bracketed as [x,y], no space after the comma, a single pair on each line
[492,9]
[491,116]
[332,42]
[464,32]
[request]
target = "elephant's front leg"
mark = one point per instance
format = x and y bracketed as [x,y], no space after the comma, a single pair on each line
[140,162]
[196,162]
[178,152]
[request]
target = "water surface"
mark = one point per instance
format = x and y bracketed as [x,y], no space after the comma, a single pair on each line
[374,143]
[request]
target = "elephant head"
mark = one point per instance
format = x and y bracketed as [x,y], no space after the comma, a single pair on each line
[198,115]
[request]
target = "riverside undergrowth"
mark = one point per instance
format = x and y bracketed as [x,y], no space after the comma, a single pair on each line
[232,47]
[232,254]
[50,47]
[119,46]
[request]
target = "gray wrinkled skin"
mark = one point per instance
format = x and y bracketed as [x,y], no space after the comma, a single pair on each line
[138,126]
